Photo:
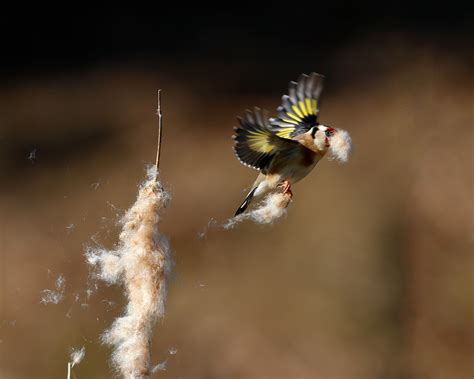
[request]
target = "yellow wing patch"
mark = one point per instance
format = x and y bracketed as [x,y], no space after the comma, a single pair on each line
[299,109]
[285,132]
[258,141]
[304,108]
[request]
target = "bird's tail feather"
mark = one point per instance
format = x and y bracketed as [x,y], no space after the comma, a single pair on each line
[246,202]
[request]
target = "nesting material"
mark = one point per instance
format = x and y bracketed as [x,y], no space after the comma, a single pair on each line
[340,146]
[56,295]
[141,263]
[272,207]
[77,355]
[160,367]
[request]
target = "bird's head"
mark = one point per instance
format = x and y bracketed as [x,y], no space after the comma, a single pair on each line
[337,141]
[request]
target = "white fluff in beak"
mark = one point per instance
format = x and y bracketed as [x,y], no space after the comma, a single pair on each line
[340,145]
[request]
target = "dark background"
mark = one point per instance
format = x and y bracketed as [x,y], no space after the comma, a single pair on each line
[44,39]
[370,274]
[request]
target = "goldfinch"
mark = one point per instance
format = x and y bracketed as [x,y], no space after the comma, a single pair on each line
[286,148]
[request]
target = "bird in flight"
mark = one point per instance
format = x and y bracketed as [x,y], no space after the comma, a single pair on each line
[286,148]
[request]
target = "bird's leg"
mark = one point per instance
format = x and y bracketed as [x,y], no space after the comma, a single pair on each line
[286,188]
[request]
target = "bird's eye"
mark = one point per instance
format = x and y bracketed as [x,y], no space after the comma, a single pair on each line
[329,132]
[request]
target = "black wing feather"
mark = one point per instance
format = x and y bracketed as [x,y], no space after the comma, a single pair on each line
[299,109]
[255,143]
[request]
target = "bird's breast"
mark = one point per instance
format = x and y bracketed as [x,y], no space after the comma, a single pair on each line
[296,170]
[308,158]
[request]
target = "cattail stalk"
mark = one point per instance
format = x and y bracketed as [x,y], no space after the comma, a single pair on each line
[141,263]
[160,130]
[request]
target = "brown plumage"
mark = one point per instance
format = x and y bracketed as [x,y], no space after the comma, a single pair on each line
[284,149]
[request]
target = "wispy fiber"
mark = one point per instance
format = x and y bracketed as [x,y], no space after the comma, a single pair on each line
[272,207]
[341,145]
[141,263]
[56,295]
[76,357]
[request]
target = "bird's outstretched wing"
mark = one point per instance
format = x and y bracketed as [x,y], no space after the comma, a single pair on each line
[255,142]
[299,109]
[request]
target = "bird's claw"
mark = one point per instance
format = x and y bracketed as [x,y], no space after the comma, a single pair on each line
[286,188]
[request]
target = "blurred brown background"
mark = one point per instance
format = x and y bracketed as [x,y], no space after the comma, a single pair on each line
[369,275]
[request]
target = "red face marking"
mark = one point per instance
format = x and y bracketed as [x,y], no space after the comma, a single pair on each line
[329,133]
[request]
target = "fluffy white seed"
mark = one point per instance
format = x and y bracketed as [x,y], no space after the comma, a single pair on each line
[56,295]
[272,207]
[77,355]
[142,263]
[340,145]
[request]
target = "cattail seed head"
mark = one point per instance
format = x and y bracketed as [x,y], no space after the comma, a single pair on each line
[141,263]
